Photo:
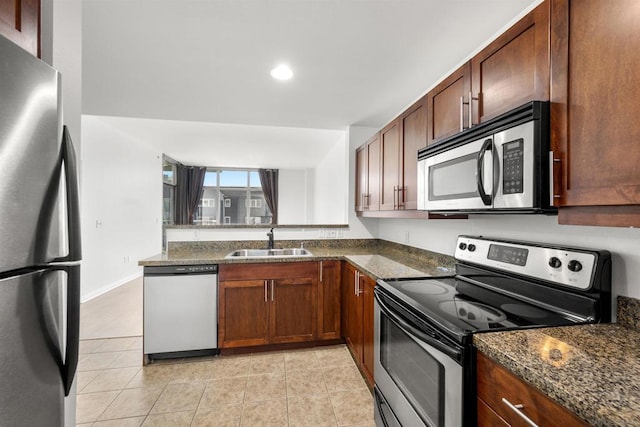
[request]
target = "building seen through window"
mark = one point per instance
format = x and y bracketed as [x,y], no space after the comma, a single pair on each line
[232,196]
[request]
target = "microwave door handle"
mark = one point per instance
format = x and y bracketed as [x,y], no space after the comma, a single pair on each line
[486,198]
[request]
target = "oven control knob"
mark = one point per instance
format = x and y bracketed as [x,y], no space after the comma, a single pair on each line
[574,265]
[462,246]
[555,262]
[471,247]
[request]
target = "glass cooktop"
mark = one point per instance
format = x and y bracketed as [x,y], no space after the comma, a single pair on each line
[462,308]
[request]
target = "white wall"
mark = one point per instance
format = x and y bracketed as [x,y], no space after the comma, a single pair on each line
[359,228]
[292,196]
[121,206]
[330,190]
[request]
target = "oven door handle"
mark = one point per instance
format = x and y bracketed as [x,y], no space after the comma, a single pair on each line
[453,353]
[486,146]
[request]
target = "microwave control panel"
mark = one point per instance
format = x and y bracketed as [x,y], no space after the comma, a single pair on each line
[513,167]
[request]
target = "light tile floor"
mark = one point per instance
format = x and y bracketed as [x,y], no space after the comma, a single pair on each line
[312,387]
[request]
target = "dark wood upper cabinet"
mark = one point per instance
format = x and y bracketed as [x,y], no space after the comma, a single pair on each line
[390,165]
[361,178]
[20,23]
[513,69]
[447,112]
[367,192]
[372,196]
[595,55]
[413,128]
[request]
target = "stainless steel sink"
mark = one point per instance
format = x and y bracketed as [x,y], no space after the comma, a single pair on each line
[269,253]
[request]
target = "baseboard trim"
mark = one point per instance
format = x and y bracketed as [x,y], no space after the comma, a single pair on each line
[109,287]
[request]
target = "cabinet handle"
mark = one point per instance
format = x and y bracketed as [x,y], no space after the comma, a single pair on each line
[265,291]
[462,113]
[471,99]
[320,271]
[395,197]
[272,289]
[401,190]
[356,277]
[553,161]
[517,409]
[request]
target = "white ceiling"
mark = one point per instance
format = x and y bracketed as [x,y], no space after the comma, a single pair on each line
[356,62]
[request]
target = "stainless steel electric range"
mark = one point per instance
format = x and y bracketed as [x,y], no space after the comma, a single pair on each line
[424,357]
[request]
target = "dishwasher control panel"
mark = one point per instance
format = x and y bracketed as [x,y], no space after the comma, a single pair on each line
[181,269]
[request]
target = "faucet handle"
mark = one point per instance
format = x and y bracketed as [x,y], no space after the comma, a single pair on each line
[301,245]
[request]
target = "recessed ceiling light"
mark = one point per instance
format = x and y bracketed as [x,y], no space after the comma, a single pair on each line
[282,72]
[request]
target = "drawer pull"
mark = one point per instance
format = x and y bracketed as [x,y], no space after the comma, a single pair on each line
[517,409]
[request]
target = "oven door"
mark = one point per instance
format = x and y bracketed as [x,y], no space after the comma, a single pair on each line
[419,381]
[460,178]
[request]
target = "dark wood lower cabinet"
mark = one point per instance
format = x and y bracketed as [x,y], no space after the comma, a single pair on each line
[329,300]
[267,303]
[358,318]
[496,383]
[244,313]
[293,310]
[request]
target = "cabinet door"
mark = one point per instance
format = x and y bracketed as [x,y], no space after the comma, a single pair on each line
[389,166]
[413,128]
[496,382]
[446,113]
[293,311]
[367,285]
[243,313]
[487,416]
[353,313]
[20,23]
[329,300]
[372,199]
[513,69]
[594,127]
[361,178]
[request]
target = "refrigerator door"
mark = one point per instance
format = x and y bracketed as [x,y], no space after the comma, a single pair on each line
[39,314]
[31,159]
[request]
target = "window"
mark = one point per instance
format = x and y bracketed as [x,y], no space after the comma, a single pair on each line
[168,190]
[232,196]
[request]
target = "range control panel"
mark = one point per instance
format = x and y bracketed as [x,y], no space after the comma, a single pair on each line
[569,267]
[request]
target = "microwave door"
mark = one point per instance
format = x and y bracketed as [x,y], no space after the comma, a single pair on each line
[452,177]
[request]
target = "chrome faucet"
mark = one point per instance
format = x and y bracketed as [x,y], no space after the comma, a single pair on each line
[270,236]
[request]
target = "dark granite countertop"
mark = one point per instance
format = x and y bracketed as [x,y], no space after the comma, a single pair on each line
[379,259]
[592,370]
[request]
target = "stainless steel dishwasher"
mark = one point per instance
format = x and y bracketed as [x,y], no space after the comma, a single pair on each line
[180,310]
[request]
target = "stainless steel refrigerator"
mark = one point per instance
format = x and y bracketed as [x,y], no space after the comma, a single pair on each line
[39,245]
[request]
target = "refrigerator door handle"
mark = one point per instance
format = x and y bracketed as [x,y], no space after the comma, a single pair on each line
[73,198]
[73,327]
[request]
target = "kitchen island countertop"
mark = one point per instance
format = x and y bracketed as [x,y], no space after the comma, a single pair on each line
[592,370]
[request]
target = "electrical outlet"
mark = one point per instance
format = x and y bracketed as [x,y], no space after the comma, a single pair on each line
[331,234]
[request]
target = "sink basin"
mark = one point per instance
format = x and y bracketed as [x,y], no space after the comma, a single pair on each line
[269,253]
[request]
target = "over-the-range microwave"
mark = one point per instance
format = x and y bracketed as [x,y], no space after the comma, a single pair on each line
[501,166]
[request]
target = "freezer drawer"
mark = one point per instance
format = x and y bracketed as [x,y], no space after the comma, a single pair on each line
[180,311]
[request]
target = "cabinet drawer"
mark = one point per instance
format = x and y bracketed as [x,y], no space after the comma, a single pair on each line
[270,270]
[496,383]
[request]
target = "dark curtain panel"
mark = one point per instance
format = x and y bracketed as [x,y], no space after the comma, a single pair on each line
[269,181]
[189,189]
